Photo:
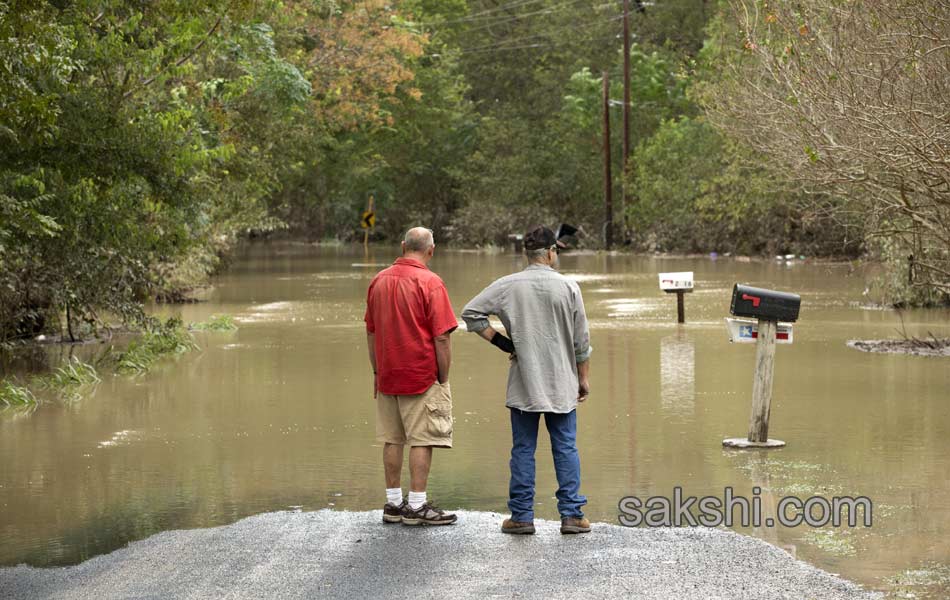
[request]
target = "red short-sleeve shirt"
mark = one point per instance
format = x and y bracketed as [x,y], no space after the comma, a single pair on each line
[407,306]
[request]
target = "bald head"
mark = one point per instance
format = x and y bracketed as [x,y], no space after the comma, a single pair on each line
[419,243]
[418,239]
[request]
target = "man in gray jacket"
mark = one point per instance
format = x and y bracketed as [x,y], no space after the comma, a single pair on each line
[549,345]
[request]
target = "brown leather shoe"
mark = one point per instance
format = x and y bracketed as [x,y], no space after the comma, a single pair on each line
[393,513]
[574,525]
[522,527]
[427,514]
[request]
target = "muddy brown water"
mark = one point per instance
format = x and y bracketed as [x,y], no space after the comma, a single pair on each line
[278,415]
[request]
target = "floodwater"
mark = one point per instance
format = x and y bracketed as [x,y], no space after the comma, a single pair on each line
[279,414]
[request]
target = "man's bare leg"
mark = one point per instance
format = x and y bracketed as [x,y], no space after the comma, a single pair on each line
[392,464]
[420,510]
[420,460]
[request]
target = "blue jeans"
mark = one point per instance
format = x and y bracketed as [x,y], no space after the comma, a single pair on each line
[567,463]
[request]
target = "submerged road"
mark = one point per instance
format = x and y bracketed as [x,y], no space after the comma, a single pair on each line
[330,554]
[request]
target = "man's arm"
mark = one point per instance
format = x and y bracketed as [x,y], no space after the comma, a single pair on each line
[443,355]
[442,323]
[498,339]
[583,383]
[371,344]
[371,334]
[476,314]
[488,333]
[582,348]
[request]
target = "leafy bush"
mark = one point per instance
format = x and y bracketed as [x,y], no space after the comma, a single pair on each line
[138,141]
[697,191]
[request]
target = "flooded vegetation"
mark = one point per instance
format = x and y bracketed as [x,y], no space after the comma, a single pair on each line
[277,414]
[916,346]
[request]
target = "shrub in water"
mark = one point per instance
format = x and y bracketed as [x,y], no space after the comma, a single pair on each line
[216,323]
[159,339]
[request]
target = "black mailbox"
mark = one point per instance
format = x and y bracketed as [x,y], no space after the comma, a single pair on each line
[758,303]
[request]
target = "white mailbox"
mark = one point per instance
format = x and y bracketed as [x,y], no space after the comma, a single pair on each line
[676,282]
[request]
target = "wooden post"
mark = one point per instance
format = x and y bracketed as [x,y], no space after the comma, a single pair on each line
[608,182]
[369,208]
[762,384]
[761,392]
[680,306]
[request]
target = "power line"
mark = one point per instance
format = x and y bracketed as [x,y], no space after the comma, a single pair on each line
[480,15]
[543,11]
[504,43]
[481,18]
[539,46]
[532,46]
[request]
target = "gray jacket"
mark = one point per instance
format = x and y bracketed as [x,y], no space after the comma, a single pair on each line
[543,313]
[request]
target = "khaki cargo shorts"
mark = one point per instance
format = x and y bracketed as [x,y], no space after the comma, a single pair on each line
[421,420]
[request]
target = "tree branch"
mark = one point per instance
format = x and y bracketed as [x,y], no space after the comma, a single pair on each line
[180,61]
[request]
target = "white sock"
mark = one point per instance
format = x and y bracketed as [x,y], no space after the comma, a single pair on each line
[394,496]
[416,500]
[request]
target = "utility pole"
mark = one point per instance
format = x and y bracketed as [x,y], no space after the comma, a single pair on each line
[608,187]
[626,107]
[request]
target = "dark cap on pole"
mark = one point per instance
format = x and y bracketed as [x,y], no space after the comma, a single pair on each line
[541,237]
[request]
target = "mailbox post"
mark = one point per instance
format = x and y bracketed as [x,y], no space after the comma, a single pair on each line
[769,307]
[679,284]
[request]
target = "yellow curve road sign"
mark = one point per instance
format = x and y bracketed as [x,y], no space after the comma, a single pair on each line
[369,220]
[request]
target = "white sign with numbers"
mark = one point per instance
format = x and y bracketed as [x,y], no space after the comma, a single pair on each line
[677,282]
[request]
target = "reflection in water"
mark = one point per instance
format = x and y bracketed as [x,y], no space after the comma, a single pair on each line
[280,414]
[121,438]
[760,479]
[628,307]
[677,374]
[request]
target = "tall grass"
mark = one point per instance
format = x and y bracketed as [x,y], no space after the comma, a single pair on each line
[12,394]
[74,373]
[215,323]
[159,339]
[64,382]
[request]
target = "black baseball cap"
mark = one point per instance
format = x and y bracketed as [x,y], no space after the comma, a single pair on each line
[541,237]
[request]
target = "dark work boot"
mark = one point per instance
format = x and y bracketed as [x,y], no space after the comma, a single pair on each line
[575,525]
[519,527]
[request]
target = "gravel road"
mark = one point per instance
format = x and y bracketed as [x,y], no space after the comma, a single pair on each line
[333,554]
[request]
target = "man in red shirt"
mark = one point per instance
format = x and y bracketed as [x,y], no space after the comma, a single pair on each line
[408,322]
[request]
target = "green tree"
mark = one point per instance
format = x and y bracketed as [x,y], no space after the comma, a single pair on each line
[135,166]
[798,86]
[698,191]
